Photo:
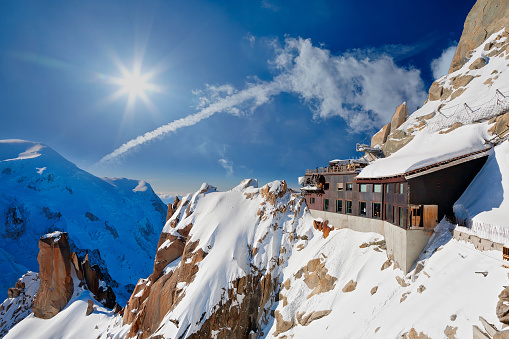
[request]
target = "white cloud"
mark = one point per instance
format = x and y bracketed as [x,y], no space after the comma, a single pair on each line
[440,66]
[364,91]
[251,38]
[270,5]
[227,165]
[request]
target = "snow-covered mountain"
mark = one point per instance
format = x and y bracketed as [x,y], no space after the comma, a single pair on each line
[251,263]
[254,266]
[116,221]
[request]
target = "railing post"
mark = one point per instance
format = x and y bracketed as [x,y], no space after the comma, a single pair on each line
[468,108]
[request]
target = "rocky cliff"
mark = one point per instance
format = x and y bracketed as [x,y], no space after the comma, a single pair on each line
[484,19]
[218,264]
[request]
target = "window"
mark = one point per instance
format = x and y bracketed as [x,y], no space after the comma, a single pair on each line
[340,186]
[377,188]
[326,186]
[325,204]
[348,206]
[339,206]
[401,217]
[311,200]
[387,188]
[394,215]
[349,186]
[363,187]
[362,208]
[377,208]
[398,188]
[386,216]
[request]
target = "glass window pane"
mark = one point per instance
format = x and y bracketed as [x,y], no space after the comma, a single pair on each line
[325,204]
[377,188]
[376,210]
[401,217]
[362,208]
[339,206]
[348,207]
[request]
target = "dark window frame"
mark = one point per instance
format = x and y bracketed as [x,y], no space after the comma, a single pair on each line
[341,207]
[365,208]
[312,200]
[379,210]
[348,202]
[349,186]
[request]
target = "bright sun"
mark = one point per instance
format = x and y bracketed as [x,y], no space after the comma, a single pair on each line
[134,85]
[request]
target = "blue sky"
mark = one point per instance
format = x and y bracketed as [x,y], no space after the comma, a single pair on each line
[266,88]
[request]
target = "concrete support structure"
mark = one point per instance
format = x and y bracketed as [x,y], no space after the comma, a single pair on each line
[403,246]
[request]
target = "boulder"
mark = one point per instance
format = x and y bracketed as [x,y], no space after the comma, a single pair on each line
[399,117]
[350,286]
[90,307]
[56,285]
[461,81]
[502,309]
[484,19]
[478,63]
[381,136]
[435,91]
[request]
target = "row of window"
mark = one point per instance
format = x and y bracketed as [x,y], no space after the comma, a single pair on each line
[398,216]
[376,188]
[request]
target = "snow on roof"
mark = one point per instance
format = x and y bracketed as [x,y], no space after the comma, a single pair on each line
[427,149]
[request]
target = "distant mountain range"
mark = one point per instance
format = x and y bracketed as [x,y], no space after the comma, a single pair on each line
[117,221]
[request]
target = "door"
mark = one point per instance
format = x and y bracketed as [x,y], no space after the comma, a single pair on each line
[430,216]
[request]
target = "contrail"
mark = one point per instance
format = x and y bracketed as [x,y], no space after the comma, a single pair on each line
[363,91]
[260,94]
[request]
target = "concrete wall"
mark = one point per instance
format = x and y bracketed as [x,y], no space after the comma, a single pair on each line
[403,246]
[480,244]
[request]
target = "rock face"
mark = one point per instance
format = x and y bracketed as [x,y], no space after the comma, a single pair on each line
[484,19]
[381,136]
[399,117]
[56,285]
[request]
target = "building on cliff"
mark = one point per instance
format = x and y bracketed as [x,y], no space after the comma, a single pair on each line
[402,197]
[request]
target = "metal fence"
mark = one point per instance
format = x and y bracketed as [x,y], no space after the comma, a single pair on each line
[468,113]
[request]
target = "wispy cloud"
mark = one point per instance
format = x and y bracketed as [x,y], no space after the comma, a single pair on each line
[251,38]
[363,91]
[227,165]
[440,66]
[270,5]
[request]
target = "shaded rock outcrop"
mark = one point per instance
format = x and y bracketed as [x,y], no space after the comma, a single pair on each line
[399,117]
[56,285]
[381,136]
[484,19]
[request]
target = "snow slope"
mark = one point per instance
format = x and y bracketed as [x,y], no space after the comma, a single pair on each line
[445,293]
[117,221]
[485,203]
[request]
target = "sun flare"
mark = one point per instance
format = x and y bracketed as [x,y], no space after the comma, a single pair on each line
[133,84]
